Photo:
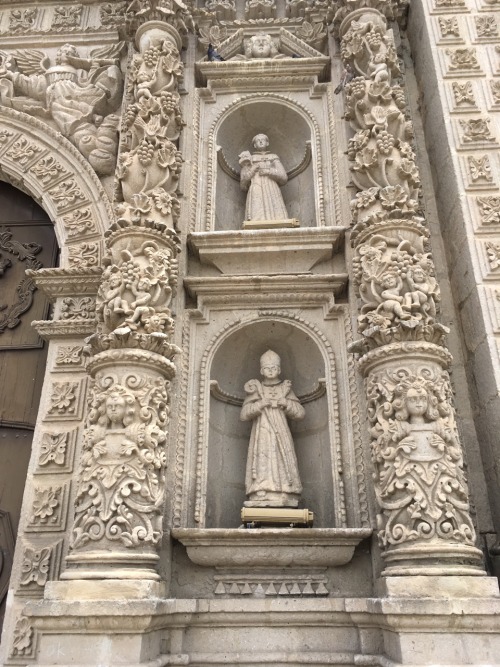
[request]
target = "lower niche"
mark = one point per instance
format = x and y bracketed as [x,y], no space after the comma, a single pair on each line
[237,361]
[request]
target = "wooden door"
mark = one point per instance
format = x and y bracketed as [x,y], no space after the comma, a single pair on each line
[27,241]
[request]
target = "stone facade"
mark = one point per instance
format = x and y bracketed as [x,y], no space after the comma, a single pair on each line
[302,188]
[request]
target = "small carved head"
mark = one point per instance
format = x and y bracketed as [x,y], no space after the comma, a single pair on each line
[260,46]
[65,54]
[270,365]
[414,399]
[116,407]
[260,142]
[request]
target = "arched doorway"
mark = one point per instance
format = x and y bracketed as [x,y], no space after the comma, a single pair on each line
[27,241]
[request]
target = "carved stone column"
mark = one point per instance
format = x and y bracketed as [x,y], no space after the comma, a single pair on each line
[424,520]
[121,494]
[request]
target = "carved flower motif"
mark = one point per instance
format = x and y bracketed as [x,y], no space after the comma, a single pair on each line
[393,196]
[53,448]
[359,141]
[63,395]
[164,202]
[45,503]
[409,171]
[364,199]
[141,203]
[365,159]
[380,91]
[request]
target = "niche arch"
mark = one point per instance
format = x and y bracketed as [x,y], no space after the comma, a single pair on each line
[292,130]
[36,159]
[231,359]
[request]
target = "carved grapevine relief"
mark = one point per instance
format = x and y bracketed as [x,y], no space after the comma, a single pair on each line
[419,480]
[396,284]
[420,483]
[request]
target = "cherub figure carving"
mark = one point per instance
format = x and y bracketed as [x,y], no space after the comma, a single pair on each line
[391,301]
[78,94]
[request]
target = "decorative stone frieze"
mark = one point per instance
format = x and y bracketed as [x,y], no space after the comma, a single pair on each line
[424,518]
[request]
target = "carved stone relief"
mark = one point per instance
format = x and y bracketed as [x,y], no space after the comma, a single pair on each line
[480,169]
[78,94]
[489,208]
[49,508]
[463,93]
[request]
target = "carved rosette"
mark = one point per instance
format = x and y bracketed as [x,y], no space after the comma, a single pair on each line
[121,494]
[424,518]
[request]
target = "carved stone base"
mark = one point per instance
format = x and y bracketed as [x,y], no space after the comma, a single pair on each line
[270,224]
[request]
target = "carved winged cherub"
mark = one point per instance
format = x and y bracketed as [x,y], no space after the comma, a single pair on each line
[78,94]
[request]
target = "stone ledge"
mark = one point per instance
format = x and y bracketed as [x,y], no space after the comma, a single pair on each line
[270,547]
[243,252]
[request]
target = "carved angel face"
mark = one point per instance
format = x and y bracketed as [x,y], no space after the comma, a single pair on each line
[115,409]
[261,46]
[417,401]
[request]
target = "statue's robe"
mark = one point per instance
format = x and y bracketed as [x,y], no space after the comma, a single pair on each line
[264,198]
[272,463]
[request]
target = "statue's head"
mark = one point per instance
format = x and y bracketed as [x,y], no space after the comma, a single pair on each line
[261,46]
[270,365]
[65,54]
[260,142]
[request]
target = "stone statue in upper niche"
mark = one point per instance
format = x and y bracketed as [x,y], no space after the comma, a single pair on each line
[272,475]
[78,94]
[262,174]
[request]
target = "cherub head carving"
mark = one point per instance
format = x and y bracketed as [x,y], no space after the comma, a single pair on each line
[260,46]
[415,401]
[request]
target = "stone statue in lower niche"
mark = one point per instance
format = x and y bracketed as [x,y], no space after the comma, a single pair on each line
[272,475]
[262,174]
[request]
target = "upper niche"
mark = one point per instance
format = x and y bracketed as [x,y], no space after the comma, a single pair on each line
[290,138]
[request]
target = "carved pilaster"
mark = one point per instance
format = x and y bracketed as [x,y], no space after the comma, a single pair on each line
[121,493]
[424,520]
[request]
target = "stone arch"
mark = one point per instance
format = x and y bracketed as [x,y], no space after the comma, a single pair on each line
[312,178]
[329,440]
[38,160]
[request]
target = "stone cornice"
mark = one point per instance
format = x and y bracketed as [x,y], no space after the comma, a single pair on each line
[243,73]
[267,250]
[57,282]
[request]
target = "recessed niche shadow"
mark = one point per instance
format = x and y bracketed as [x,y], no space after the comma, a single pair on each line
[234,363]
